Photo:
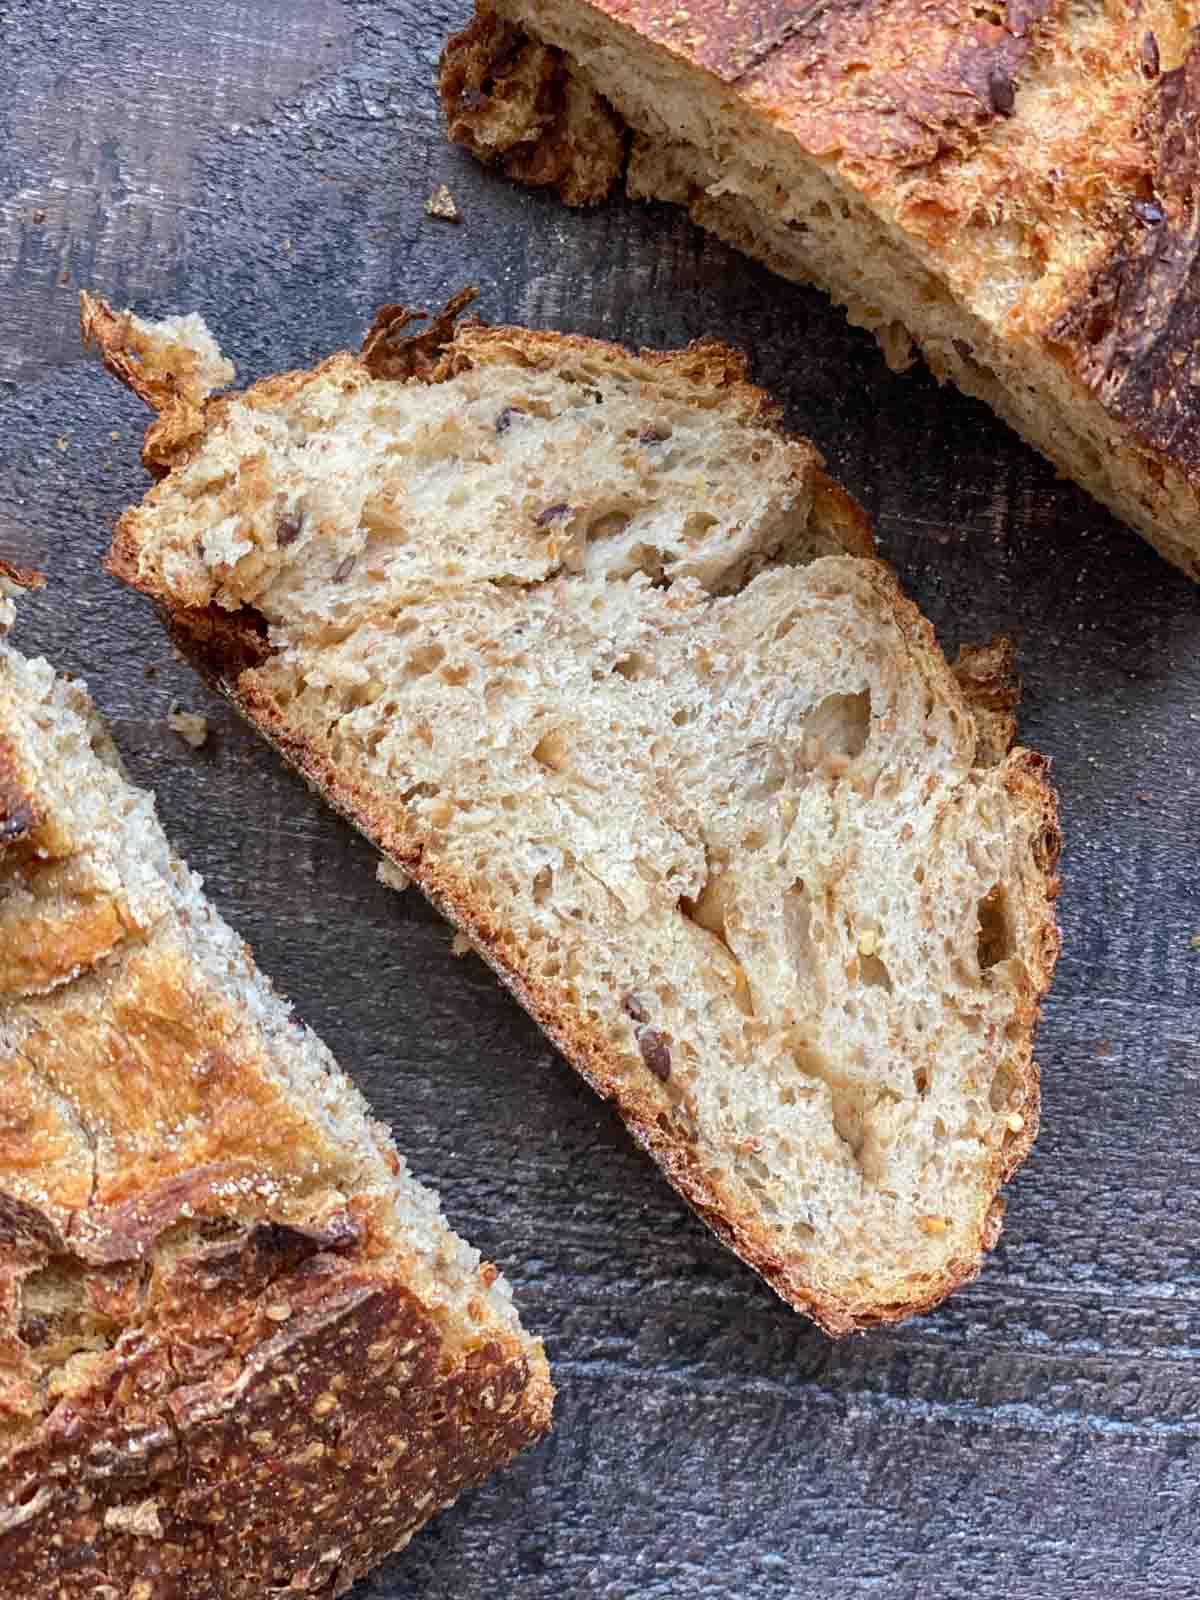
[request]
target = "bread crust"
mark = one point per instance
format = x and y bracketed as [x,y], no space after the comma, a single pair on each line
[1132,334]
[1020,142]
[219,1371]
[220,644]
[295,1456]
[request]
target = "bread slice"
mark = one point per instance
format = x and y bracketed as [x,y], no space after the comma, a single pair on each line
[572,635]
[1013,188]
[240,1350]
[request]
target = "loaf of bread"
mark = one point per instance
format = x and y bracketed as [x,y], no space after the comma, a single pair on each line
[600,659]
[1013,188]
[241,1353]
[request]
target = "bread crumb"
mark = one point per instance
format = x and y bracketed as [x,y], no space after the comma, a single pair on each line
[1143,797]
[392,876]
[141,1519]
[1195,941]
[1015,1122]
[441,203]
[868,942]
[62,444]
[279,1312]
[461,945]
[191,726]
[934,1224]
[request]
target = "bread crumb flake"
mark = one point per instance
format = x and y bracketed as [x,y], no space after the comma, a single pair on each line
[392,876]
[442,204]
[141,1519]
[191,726]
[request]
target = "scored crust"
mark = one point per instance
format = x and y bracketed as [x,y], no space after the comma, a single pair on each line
[1033,165]
[232,1358]
[226,646]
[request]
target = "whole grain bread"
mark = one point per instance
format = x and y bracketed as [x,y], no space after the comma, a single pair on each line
[241,1353]
[1013,189]
[601,661]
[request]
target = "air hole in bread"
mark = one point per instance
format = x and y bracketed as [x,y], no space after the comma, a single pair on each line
[1004,1085]
[456,676]
[424,660]
[55,1320]
[543,883]
[841,723]
[921,1081]
[552,751]
[798,927]
[634,666]
[608,525]
[849,1117]
[698,524]
[873,973]
[847,1106]
[648,559]
[995,929]
[710,907]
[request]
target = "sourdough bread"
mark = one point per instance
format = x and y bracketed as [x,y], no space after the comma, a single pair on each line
[240,1350]
[600,659]
[1013,189]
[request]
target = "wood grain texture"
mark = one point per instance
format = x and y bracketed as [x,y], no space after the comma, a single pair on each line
[1039,1437]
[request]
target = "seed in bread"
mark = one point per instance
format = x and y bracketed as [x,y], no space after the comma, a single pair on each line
[601,660]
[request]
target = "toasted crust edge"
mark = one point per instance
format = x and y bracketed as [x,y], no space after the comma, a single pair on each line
[215,1478]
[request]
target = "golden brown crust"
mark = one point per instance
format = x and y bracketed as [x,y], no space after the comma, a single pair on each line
[1133,334]
[165,377]
[389,352]
[219,649]
[987,676]
[253,1443]
[510,100]
[21,817]
[837,514]
[218,1366]
[21,577]
[926,76]
[1040,161]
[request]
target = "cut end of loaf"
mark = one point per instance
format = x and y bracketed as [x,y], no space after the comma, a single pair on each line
[221,1290]
[1016,200]
[599,659]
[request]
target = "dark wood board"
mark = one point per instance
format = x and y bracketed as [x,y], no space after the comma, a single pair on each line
[267,162]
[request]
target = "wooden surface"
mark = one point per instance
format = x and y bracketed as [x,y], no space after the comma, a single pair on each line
[267,162]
